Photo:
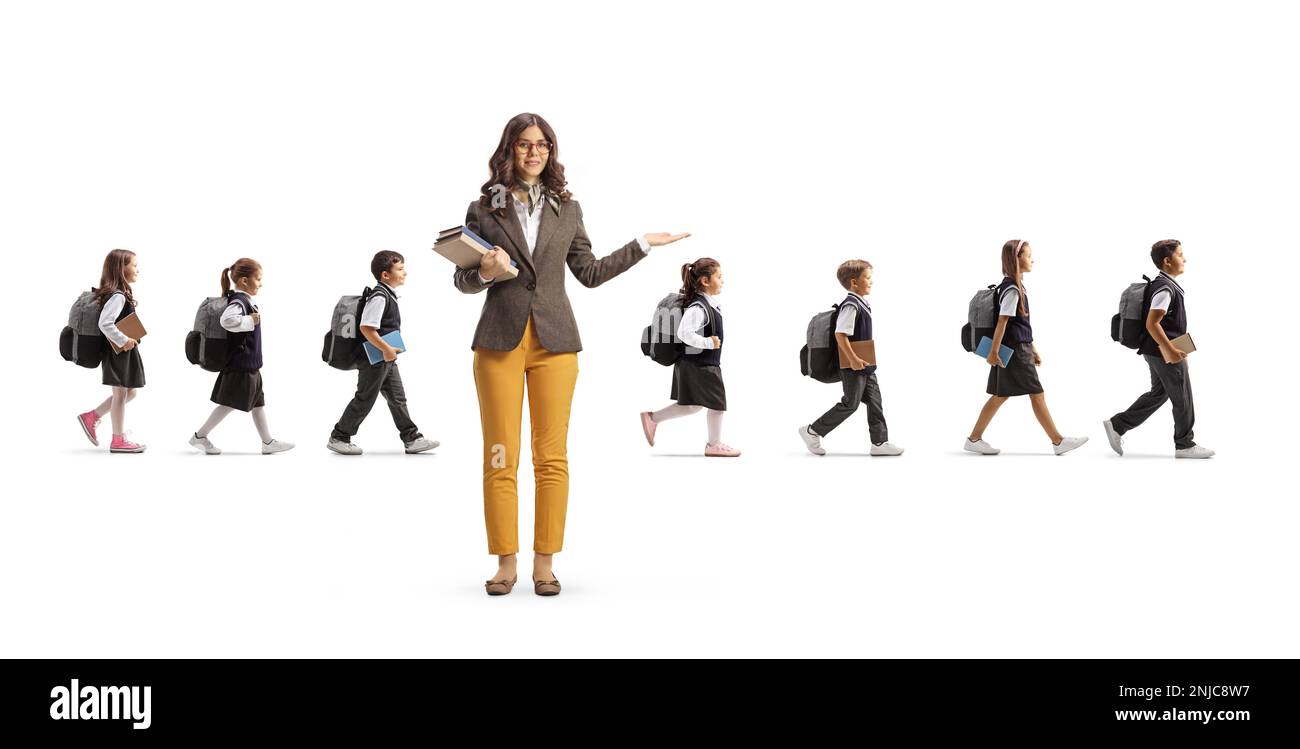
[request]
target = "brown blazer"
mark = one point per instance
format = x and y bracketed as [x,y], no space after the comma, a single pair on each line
[539,289]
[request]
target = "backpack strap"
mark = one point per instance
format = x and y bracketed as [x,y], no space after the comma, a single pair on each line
[234,297]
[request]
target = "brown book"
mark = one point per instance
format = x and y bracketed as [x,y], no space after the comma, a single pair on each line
[465,249]
[132,327]
[866,350]
[1183,343]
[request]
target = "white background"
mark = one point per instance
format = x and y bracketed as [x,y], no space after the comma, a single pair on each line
[918,136]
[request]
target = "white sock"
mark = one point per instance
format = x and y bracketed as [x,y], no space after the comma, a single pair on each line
[674,411]
[218,413]
[715,426]
[259,420]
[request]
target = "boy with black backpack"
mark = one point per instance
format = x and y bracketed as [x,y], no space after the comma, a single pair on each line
[379,317]
[858,377]
[1166,320]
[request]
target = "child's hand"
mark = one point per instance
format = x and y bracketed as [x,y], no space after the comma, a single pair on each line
[717,342]
[390,353]
[130,344]
[857,364]
[1173,355]
[257,318]
[1038,360]
[993,357]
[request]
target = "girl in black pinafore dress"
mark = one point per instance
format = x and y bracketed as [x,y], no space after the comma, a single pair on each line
[123,370]
[697,375]
[239,384]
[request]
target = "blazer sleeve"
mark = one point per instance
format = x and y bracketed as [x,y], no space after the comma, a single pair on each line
[467,280]
[592,271]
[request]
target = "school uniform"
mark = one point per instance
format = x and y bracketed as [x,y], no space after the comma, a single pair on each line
[853,319]
[1169,382]
[1020,376]
[121,369]
[382,312]
[697,375]
[239,384]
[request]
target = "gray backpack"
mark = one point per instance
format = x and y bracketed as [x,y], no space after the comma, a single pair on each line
[820,356]
[659,339]
[208,344]
[981,317]
[81,341]
[1129,326]
[342,348]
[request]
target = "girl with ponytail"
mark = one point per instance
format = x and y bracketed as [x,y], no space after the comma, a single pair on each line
[1019,376]
[697,375]
[239,384]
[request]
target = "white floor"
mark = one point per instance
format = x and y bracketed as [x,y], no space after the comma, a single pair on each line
[935,553]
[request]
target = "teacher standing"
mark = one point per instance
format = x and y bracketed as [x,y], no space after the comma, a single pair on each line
[527,336]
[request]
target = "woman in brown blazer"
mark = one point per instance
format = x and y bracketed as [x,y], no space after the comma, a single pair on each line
[527,335]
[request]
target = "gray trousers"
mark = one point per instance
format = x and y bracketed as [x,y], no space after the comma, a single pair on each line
[374,380]
[1169,382]
[860,387]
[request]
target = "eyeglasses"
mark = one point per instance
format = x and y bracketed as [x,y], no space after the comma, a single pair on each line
[523,146]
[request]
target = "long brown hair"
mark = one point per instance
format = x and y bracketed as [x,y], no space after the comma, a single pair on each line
[502,164]
[1011,267]
[112,278]
[244,267]
[691,275]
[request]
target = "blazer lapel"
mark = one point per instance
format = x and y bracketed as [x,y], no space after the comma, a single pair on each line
[515,233]
[550,222]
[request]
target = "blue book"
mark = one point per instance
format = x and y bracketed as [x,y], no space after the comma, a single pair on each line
[393,339]
[986,343]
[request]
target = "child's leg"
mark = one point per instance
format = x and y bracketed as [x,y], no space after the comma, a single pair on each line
[714,419]
[102,409]
[1147,403]
[117,408]
[875,411]
[1178,383]
[259,421]
[674,411]
[370,377]
[986,415]
[218,413]
[1039,402]
[854,384]
[395,394]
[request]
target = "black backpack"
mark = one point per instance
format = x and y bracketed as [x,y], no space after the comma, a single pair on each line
[659,339]
[342,348]
[208,344]
[81,341]
[1129,326]
[820,356]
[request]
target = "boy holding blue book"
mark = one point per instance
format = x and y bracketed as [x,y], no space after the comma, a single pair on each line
[381,318]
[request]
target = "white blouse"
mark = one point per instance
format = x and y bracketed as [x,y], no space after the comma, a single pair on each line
[694,320]
[108,319]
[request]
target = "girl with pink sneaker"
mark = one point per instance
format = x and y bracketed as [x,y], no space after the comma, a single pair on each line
[697,375]
[123,370]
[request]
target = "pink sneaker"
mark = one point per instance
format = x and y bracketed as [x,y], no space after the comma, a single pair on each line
[123,445]
[88,421]
[648,426]
[720,450]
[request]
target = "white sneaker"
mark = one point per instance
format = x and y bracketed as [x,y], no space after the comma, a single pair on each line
[343,448]
[420,445]
[1195,451]
[275,446]
[204,444]
[1115,438]
[1067,444]
[811,440]
[886,448]
[980,446]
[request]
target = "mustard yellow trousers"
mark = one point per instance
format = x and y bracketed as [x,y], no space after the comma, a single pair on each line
[500,377]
